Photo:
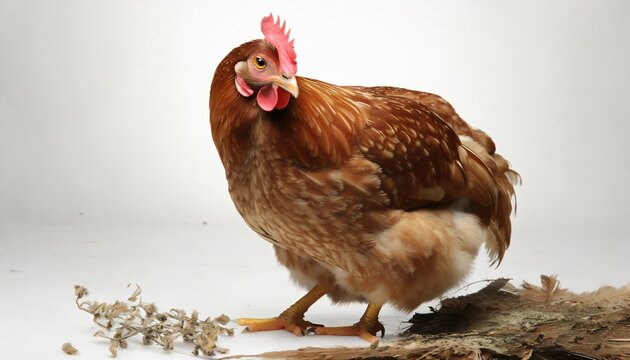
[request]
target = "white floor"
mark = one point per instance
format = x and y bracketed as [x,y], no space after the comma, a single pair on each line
[214,269]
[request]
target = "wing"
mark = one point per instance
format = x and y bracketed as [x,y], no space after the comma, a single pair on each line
[421,156]
[444,110]
[428,155]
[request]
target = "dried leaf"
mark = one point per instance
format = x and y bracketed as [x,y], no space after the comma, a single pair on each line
[118,309]
[222,319]
[136,294]
[168,342]
[80,291]
[178,314]
[113,345]
[69,349]
[150,309]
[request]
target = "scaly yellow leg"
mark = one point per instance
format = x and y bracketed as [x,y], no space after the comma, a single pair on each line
[292,319]
[366,328]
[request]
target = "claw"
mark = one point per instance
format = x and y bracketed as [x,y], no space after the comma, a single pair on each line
[381,328]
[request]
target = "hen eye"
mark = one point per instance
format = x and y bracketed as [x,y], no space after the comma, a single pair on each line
[260,62]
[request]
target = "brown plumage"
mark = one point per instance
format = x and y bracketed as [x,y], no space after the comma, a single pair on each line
[374,194]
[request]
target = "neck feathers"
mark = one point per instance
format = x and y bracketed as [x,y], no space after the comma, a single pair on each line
[315,130]
[318,128]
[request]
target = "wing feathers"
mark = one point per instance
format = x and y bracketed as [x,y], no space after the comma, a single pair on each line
[442,158]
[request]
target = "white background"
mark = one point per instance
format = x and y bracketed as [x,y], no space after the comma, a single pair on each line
[108,171]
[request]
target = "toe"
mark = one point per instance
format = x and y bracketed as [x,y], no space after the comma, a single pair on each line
[337,330]
[295,325]
[254,325]
[367,333]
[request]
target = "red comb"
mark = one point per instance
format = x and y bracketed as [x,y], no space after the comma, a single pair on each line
[274,33]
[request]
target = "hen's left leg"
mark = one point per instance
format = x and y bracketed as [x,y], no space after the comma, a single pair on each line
[366,328]
[292,319]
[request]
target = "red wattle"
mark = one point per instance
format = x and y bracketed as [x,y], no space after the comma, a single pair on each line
[283,99]
[267,97]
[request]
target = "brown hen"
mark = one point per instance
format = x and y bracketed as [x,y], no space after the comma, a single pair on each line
[372,194]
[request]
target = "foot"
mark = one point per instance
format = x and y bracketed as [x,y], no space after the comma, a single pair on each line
[365,330]
[291,323]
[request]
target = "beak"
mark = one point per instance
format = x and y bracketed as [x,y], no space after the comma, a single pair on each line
[287,83]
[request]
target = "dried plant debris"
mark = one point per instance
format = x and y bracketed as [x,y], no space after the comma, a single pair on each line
[537,322]
[124,319]
[69,349]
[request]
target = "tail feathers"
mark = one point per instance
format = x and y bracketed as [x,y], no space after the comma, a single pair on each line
[491,183]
